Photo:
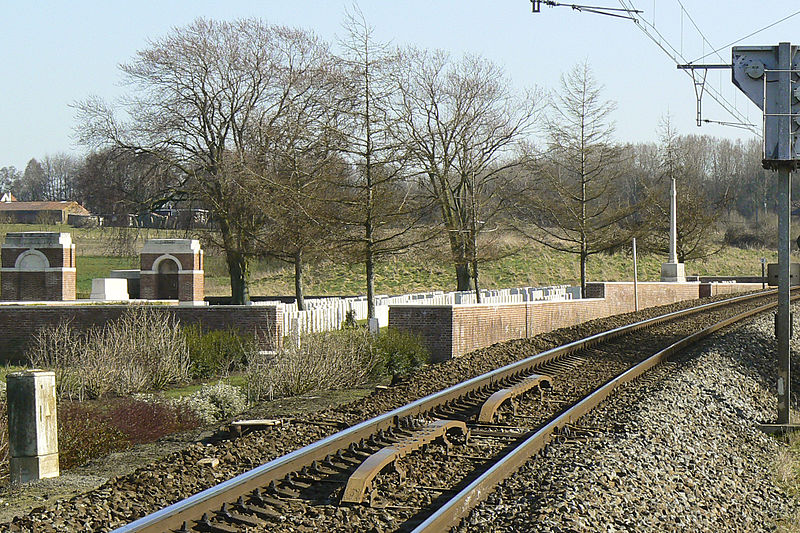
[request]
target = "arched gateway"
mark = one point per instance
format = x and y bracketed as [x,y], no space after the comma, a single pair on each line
[172,269]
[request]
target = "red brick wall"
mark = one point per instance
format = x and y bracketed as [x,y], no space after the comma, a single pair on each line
[57,257]
[433,323]
[187,261]
[19,323]
[478,326]
[452,331]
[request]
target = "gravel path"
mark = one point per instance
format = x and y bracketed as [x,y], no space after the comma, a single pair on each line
[677,451]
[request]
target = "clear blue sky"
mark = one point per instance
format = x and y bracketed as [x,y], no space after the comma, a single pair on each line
[57,52]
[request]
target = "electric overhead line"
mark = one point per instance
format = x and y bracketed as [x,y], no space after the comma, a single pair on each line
[678,58]
[768,26]
[599,10]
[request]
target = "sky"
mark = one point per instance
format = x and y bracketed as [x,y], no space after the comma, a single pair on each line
[55,53]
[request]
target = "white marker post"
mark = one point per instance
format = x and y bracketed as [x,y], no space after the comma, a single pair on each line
[32,425]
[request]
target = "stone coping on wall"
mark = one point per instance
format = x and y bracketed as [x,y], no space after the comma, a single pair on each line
[37,239]
[91,303]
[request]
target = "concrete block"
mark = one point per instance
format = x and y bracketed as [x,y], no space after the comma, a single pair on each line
[772,274]
[133,276]
[109,289]
[25,469]
[32,425]
[673,272]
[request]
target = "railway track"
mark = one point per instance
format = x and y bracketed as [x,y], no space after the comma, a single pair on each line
[422,466]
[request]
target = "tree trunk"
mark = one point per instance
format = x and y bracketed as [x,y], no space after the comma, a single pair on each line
[583,273]
[370,270]
[237,267]
[298,280]
[475,280]
[463,277]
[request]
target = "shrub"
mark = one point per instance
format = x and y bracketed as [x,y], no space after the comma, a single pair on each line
[145,420]
[58,349]
[315,361]
[400,353]
[748,234]
[215,402]
[349,321]
[143,349]
[84,434]
[216,353]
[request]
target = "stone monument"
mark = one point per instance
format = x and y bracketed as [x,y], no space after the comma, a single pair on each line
[672,270]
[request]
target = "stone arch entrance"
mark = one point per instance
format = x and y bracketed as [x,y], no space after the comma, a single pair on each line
[167,284]
[33,284]
[38,266]
[172,269]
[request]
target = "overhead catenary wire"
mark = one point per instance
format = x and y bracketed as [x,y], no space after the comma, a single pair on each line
[768,26]
[599,10]
[677,57]
[702,35]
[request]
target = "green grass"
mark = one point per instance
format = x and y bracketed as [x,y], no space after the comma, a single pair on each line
[97,251]
[532,265]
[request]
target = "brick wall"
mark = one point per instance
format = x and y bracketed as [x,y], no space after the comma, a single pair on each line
[18,323]
[452,331]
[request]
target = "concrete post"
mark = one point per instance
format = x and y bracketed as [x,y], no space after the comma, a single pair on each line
[32,425]
[673,224]
[672,270]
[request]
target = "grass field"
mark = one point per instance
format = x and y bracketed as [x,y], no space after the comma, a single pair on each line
[100,250]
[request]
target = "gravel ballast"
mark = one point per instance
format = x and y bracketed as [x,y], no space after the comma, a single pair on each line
[678,450]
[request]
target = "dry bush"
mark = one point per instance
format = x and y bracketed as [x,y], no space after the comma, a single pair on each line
[58,349]
[317,361]
[146,421]
[787,473]
[144,349]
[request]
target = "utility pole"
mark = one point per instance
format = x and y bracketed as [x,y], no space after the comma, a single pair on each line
[768,76]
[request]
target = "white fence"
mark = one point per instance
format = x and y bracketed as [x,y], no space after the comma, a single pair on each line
[323,314]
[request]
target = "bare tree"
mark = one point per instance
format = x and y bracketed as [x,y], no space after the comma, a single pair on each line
[574,201]
[295,158]
[460,122]
[194,95]
[32,186]
[701,198]
[9,178]
[60,174]
[117,181]
[378,208]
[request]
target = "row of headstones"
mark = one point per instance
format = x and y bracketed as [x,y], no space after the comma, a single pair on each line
[40,266]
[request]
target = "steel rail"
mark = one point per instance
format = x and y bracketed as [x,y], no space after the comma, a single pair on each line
[191,508]
[457,508]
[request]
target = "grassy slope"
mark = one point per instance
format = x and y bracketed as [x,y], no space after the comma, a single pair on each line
[532,265]
[96,251]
